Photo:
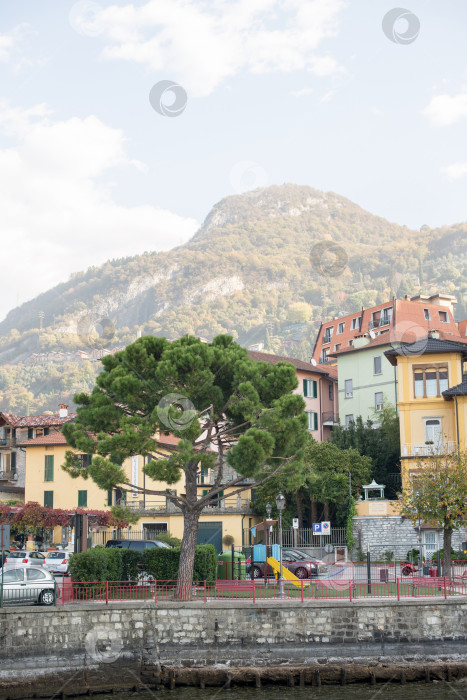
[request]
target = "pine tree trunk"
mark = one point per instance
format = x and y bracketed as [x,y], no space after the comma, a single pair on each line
[314,512]
[326,511]
[447,542]
[187,554]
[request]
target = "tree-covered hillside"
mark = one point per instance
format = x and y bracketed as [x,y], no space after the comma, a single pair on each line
[253,270]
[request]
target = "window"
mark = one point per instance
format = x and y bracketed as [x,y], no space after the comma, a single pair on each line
[379,400]
[340,328]
[82,499]
[350,343]
[327,335]
[427,314]
[49,468]
[386,316]
[348,388]
[33,574]
[310,388]
[377,365]
[85,460]
[48,499]
[30,433]
[430,381]
[433,431]
[348,420]
[443,316]
[355,323]
[324,356]
[331,392]
[312,420]
[13,576]
[337,347]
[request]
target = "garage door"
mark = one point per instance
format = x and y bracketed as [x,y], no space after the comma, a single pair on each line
[211,533]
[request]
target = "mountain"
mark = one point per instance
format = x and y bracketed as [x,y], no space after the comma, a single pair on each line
[266,266]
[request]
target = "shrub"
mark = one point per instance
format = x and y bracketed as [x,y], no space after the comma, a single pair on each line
[168,539]
[413,554]
[110,564]
[163,563]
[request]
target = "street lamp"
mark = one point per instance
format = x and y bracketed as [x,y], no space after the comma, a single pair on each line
[268,510]
[267,534]
[280,504]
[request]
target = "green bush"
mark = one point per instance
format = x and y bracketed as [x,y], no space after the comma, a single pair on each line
[110,564]
[168,539]
[413,553]
[163,563]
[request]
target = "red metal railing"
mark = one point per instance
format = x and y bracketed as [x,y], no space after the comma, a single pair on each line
[262,591]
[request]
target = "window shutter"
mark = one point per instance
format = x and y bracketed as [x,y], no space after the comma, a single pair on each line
[315,389]
[305,387]
[109,497]
[48,499]
[30,433]
[13,462]
[49,468]
[82,499]
[315,421]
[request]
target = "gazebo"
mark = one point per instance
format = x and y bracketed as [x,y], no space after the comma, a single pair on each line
[374,487]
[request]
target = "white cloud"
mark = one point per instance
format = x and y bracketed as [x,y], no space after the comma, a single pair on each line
[455,171]
[445,110]
[203,44]
[58,214]
[6,47]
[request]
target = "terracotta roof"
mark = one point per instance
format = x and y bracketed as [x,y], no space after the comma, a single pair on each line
[274,359]
[56,438]
[331,370]
[38,421]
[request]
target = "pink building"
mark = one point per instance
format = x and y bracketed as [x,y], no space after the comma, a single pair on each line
[318,386]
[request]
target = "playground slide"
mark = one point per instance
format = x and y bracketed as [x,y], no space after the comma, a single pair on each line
[288,575]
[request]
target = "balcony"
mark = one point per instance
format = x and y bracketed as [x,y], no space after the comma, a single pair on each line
[7,442]
[421,449]
[162,506]
[329,418]
[384,321]
[8,475]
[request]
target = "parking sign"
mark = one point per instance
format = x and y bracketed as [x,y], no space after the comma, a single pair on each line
[317,528]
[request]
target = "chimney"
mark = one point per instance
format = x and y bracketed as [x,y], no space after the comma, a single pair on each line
[63,413]
[433,333]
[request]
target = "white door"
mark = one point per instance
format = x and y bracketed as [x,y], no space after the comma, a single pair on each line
[430,544]
[433,434]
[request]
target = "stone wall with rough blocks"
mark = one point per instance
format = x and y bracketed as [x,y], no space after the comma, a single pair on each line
[93,645]
[393,533]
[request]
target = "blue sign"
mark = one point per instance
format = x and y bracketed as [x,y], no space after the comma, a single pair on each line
[317,528]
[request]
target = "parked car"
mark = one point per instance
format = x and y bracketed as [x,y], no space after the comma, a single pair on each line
[3,556]
[322,566]
[302,568]
[27,584]
[21,557]
[137,545]
[57,562]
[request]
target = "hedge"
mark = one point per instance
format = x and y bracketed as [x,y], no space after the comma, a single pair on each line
[163,563]
[110,564]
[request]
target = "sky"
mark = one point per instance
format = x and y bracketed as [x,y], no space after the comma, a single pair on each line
[123,122]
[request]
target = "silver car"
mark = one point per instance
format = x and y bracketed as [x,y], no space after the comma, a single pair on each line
[26,584]
[22,557]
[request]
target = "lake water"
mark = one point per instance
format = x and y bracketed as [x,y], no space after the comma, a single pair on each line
[389,691]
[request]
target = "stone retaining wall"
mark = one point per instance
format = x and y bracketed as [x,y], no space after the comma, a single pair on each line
[94,646]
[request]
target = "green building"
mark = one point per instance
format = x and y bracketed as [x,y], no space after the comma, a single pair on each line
[365,379]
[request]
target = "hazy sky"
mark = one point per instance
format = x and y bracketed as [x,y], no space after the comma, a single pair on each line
[303,91]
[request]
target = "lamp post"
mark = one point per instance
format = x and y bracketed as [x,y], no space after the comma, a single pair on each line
[280,503]
[267,534]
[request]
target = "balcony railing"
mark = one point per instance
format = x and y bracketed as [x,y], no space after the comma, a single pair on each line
[7,442]
[421,449]
[329,418]
[384,321]
[234,504]
[8,475]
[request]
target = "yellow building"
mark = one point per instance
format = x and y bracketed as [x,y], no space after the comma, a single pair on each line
[49,485]
[431,401]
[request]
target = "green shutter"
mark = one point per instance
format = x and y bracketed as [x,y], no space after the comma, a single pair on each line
[13,462]
[315,389]
[48,499]
[49,468]
[109,497]
[30,433]
[315,417]
[305,387]
[82,499]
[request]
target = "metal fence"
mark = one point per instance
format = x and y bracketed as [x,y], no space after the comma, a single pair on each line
[256,591]
[302,537]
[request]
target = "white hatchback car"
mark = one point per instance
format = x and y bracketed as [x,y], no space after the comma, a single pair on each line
[57,562]
[22,557]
